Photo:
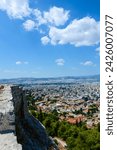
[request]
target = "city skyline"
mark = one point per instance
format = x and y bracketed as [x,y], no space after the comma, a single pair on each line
[43,39]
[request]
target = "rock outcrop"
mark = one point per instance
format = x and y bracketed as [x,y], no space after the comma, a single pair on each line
[18,129]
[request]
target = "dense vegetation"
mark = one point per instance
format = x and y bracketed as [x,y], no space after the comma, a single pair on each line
[77,137]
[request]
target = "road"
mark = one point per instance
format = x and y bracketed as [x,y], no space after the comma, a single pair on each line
[63,143]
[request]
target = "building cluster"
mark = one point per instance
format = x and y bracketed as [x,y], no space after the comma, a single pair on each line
[74,103]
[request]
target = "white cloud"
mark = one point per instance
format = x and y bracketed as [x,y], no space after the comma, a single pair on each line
[16,9]
[26,62]
[56,16]
[60,62]
[87,63]
[35,22]
[18,62]
[83,32]
[11,71]
[29,25]
[45,40]
[98,50]
[41,31]
[38,17]
[21,62]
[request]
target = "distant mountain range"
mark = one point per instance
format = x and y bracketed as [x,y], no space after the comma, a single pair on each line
[66,79]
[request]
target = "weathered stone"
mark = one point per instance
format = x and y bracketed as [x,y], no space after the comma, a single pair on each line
[8,139]
[19,129]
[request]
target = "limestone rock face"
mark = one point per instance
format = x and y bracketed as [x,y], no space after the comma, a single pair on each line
[18,129]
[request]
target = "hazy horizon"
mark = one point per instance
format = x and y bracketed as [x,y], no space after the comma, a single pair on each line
[51,77]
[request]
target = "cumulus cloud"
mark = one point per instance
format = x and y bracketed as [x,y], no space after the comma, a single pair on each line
[39,17]
[29,25]
[87,63]
[45,40]
[83,32]
[80,32]
[60,62]
[21,62]
[36,21]
[56,16]
[16,9]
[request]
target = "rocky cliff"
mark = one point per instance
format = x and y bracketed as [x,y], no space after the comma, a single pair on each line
[18,129]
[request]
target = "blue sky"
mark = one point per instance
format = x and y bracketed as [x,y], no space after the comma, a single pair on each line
[43,38]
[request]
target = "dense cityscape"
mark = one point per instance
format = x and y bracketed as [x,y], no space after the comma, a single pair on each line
[65,106]
[68,108]
[73,102]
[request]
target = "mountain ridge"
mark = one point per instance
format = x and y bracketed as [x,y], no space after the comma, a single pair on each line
[31,80]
